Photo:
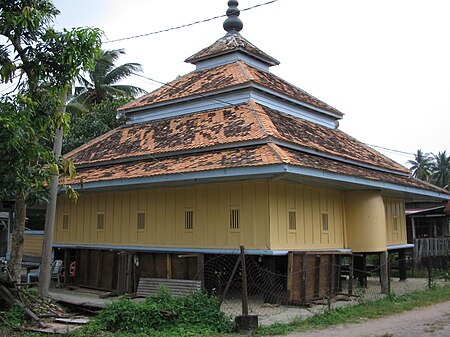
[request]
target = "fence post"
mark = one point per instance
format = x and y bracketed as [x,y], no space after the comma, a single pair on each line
[430,276]
[245,323]
[244,284]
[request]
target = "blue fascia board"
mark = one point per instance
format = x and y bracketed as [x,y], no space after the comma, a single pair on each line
[364,182]
[258,172]
[179,250]
[187,177]
[175,250]
[404,246]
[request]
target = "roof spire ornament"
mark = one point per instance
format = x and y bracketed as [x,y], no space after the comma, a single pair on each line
[233,24]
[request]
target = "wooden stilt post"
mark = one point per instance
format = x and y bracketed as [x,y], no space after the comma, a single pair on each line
[402,264]
[384,273]
[244,284]
[350,275]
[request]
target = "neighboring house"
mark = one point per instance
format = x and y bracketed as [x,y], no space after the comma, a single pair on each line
[33,234]
[4,226]
[428,228]
[227,155]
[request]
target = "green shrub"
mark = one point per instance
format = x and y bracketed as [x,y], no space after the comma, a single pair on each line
[191,315]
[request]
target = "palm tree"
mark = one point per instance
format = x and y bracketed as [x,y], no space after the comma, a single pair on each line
[441,170]
[100,83]
[421,165]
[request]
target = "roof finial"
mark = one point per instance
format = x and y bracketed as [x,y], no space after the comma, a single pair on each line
[233,24]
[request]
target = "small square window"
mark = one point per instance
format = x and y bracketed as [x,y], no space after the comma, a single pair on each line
[65,221]
[100,221]
[325,221]
[292,220]
[189,220]
[141,221]
[234,218]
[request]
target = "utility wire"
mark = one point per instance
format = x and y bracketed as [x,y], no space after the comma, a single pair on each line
[230,104]
[188,24]
[392,150]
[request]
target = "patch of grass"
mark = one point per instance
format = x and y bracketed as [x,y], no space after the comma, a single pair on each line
[15,316]
[367,310]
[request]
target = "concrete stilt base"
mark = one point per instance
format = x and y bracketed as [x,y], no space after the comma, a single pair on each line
[246,324]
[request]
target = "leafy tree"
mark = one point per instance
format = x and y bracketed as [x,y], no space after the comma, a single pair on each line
[100,119]
[441,170]
[421,165]
[44,63]
[100,83]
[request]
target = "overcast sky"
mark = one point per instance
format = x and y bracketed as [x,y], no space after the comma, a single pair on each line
[385,64]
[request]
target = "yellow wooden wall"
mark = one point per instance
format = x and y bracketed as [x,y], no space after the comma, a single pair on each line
[164,212]
[309,204]
[395,221]
[264,220]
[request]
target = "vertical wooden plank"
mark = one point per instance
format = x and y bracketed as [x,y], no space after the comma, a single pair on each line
[317,276]
[99,268]
[132,218]
[299,206]
[201,269]
[282,214]
[350,275]
[160,217]
[330,277]
[303,285]
[169,265]
[125,219]
[66,265]
[290,272]
[402,264]
[201,230]
[181,197]
[308,216]
[170,218]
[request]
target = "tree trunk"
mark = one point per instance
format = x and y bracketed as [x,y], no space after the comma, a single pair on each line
[45,276]
[15,262]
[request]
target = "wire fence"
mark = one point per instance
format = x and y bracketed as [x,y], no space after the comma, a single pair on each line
[280,288]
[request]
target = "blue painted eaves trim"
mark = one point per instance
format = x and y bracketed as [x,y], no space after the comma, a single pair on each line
[175,250]
[363,182]
[257,172]
[236,251]
[253,172]
[321,154]
[404,246]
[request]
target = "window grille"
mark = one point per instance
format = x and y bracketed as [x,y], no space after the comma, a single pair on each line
[234,218]
[395,221]
[141,220]
[292,220]
[325,221]
[189,220]
[100,221]
[65,221]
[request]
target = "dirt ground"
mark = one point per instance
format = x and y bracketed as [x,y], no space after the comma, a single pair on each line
[432,321]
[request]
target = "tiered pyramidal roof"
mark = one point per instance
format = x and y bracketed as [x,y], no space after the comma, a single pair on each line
[231,118]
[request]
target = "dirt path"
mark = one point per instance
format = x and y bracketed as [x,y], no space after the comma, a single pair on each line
[432,321]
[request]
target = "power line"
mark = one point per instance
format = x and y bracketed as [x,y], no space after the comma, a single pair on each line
[392,150]
[187,25]
[230,104]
